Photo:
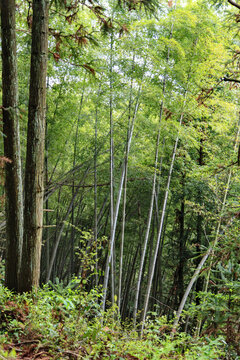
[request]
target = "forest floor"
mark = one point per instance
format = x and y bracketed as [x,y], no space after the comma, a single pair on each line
[64,323]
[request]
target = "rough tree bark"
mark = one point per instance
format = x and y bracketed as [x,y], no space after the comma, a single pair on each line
[13,180]
[34,170]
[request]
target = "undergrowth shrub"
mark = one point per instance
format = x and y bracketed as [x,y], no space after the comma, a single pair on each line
[218,309]
[63,320]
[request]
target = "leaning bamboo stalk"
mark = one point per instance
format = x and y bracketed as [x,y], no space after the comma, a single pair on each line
[55,248]
[122,238]
[160,230]
[219,223]
[73,182]
[210,250]
[148,224]
[149,285]
[143,255]
[125,193]
[111,149]
[95,187]
[112,239]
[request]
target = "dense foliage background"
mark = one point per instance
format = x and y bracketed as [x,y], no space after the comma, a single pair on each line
[141,176]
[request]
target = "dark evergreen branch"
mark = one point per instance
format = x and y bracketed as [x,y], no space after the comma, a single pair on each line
[230,79]
[234,4]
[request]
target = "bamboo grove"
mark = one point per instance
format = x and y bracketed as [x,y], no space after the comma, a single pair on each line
[141,165]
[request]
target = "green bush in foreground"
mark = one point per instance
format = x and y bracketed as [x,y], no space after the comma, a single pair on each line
[67,323]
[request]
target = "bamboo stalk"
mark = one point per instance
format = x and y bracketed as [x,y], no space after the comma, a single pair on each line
[210,250]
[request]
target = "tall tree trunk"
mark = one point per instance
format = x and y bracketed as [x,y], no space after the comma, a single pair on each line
[34,171]
[13,181]
[46,233]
